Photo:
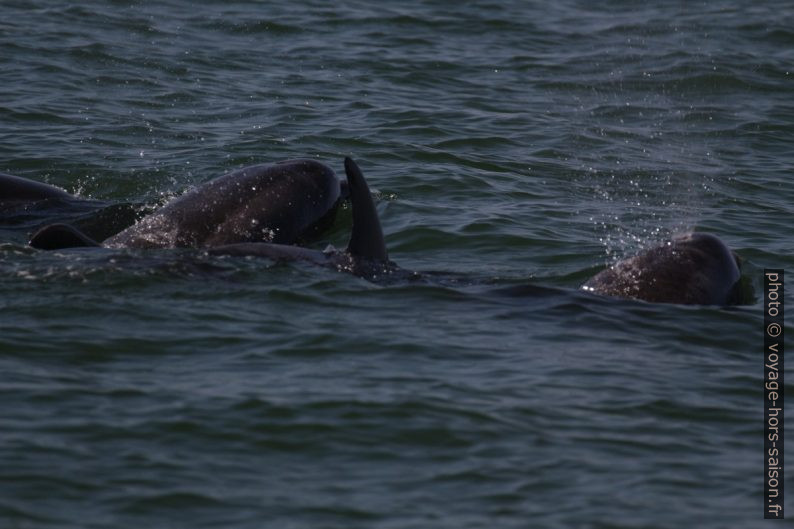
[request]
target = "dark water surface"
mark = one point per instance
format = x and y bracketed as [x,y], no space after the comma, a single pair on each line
[511,144]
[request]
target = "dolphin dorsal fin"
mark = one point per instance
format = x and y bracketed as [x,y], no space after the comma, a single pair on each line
[366,238]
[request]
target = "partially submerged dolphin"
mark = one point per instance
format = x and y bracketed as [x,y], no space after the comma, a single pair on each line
[365,254]
[15,189]
[280,203]
[692,269]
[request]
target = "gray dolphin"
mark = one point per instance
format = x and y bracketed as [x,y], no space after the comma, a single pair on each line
[14,189]
[280,203]
[692,269]
[365,254]
[26,201]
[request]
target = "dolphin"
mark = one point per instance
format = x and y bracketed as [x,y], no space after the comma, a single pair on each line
[365,255]
[15,189]
[691,269]
[283,203]
[24,201]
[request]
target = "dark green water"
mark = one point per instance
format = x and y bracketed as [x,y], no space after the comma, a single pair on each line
[511,143]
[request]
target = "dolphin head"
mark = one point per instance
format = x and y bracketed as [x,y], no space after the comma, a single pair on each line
[694,269]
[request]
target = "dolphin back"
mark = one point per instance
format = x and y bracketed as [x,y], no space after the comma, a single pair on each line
[16,189]
[57,236]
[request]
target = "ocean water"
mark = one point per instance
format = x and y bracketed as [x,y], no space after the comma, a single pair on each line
[516,148]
